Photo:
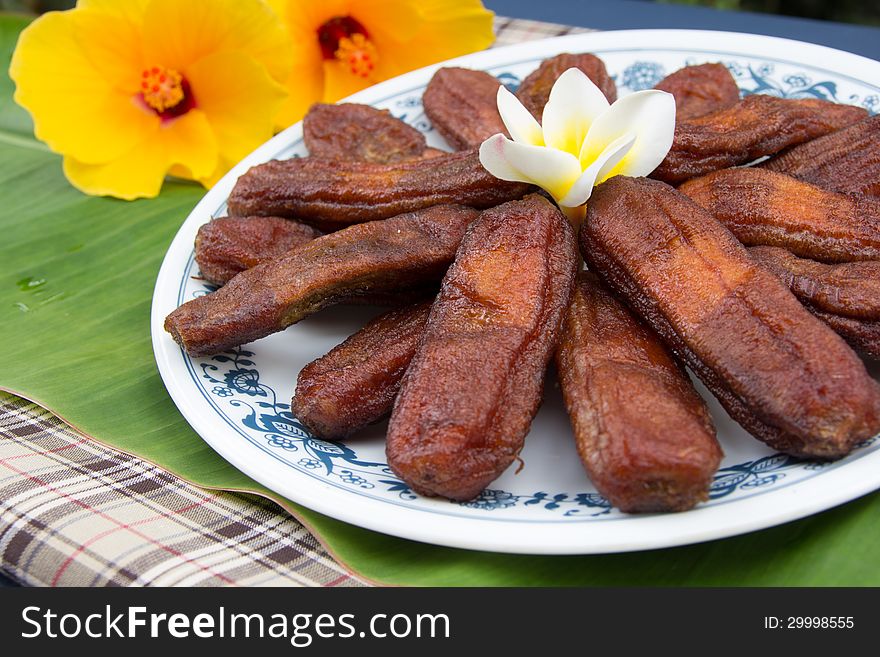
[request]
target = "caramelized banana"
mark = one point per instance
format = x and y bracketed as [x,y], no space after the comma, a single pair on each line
[534,91]
[765,208]
[332,195]
[850,289]
[355,383]
[462,107]
[756,126]
[863,335]
[846,161]
[642,431]
[362,133]
[846,296]
[779,371]
[475,383]
[700,90]
[228,245]
[382,256]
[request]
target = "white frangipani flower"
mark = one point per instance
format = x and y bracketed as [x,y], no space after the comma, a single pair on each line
[581,141]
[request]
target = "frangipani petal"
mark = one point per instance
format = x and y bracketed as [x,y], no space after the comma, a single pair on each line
[650,116]
[551,169]
[574,103]
[522,126]
[607,160]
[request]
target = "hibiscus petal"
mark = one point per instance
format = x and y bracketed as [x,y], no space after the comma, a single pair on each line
[187,141]
[112,43]
[650,116]
[239,100]
[76,109]
[574,103]
[309,16]
[550,169]
[176,34]
[339,82]
[448,28]
[388,21]
[520,123]
[607,160]
[132,10]
[305,84]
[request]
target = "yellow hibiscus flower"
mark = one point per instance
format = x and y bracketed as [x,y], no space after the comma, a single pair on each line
[130,90]
[343,46]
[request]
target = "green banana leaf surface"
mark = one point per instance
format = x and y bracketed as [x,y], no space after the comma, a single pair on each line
[75,289]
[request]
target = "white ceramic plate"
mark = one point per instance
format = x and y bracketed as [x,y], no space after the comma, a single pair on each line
[239,402]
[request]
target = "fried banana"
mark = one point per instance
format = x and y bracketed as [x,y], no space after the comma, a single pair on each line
[534,91]
[863,335]
[850,289]
[780,372]
[382,256]
[355,383]
[700,90]
[228,245]
[643,433]
[462,106]
[765,208]
[475,383]
[846,161]
[350,131]
[845,296]
[756,126]
[331,195]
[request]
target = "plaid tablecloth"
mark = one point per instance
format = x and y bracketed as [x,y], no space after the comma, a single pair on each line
[76,513]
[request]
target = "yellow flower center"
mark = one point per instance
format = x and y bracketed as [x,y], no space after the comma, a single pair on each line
[162,88]
[358,53]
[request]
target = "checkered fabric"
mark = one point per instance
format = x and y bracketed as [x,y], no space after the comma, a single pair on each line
[514,30]
[76,513]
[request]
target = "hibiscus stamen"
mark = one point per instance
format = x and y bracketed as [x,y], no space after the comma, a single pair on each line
[346,40]
[358,53]
[166,92]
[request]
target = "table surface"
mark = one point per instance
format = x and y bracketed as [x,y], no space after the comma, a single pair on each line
[632,14]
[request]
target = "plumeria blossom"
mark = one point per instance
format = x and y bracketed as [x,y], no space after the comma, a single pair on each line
[581,140]
[130,90]
[342,46]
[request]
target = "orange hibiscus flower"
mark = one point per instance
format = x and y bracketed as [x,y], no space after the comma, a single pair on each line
[342,46]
